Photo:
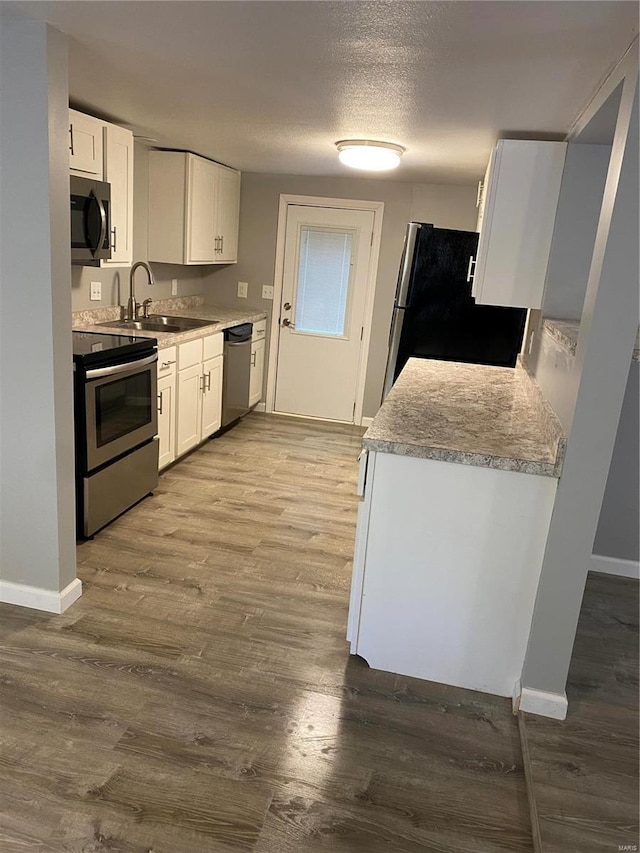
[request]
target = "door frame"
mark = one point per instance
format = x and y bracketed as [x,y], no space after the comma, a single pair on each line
[286,200]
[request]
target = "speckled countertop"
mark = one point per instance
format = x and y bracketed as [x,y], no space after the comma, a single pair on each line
[490,417]
[566,333]
[192,306]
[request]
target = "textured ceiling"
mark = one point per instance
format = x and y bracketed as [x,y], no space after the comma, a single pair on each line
[270,86]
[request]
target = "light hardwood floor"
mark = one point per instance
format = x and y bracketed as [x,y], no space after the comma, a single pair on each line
[200,695]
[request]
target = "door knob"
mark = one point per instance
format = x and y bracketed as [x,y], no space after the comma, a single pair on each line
[287,322]
[287,306]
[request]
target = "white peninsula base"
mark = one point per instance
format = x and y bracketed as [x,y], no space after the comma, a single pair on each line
[446,568]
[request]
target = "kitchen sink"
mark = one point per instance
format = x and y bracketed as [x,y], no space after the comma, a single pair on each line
[160,323]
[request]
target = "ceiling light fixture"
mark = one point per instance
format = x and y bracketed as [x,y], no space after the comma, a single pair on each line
[369,155]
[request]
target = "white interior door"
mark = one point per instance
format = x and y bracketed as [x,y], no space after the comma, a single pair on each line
[326,270]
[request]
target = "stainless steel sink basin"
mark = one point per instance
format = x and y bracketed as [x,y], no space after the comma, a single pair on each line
[160,323]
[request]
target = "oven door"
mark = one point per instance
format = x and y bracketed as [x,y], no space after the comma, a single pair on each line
[120,409]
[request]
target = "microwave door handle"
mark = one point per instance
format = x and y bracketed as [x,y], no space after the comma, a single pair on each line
[103,223]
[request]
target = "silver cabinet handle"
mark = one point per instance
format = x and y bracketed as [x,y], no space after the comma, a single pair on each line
[71,142]
[253,358]
[209,381]
[222,244]
[160,402]
[114,235]
[479,193]
[166,364]
[472,263]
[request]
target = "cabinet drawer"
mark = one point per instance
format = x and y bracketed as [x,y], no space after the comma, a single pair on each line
[189,354]
[259,330]
[213,345]
[167,359]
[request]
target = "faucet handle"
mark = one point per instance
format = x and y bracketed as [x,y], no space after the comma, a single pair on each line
[145,307]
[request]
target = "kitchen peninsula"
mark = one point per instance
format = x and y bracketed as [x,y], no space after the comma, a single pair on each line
[458,477]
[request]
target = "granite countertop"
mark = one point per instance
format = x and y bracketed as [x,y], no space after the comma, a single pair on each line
[566,333]
[193,307]
[490,417]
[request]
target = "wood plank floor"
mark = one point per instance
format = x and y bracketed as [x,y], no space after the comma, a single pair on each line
[585,769]
[200,695]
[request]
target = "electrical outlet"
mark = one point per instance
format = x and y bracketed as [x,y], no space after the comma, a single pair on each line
[267,291]
[243,289]
[95,294]
[174,286]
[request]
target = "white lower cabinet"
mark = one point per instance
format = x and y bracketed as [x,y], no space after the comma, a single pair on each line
[212,396]
[257,361]
[198,392]
[166,420]
[446,569]
[166,406]
[189,409]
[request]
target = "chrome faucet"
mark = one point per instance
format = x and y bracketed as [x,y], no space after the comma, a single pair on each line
[132,305]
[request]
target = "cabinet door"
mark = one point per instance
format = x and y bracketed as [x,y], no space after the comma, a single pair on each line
[85,145]
[118,171]
[166,420]
[212,397]
[257,372]
[517,226]
[227,215]
[189,408]
[201,211]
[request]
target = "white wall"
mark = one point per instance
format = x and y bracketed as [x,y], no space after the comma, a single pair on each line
[608,329]
[618,535]
[37,467]
[583,179]
[444,206]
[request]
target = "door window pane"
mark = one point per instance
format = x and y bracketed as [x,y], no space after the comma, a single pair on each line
[323,281]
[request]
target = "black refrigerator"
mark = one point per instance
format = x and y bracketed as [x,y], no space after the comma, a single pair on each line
[435,315]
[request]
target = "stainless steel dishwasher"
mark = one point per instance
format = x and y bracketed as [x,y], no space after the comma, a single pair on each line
[236,372]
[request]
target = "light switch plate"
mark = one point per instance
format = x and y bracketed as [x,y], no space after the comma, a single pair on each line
[267,291]
[95,294]
[243,289]
[174,286]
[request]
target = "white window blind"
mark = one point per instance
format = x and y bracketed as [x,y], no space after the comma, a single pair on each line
[322,293]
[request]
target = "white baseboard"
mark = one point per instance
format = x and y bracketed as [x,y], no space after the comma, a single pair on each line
[260,407]
[540,702]
[615,566]
[38,598]
[366,422]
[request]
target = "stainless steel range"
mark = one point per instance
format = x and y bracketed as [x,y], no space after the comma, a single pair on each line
[116,425]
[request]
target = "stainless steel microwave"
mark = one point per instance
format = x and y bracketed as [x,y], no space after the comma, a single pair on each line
[90,221]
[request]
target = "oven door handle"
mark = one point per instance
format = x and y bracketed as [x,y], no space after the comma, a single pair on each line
[115,369]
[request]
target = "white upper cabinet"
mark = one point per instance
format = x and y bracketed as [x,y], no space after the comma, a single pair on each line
[194,208]
[227,214]
[201,211]
[118,171]
[85,145]
[516,218]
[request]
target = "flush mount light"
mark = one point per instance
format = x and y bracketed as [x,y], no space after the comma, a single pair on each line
[369,155]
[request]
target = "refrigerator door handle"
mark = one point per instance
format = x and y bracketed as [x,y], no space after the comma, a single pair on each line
[406,266]
[394,346]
